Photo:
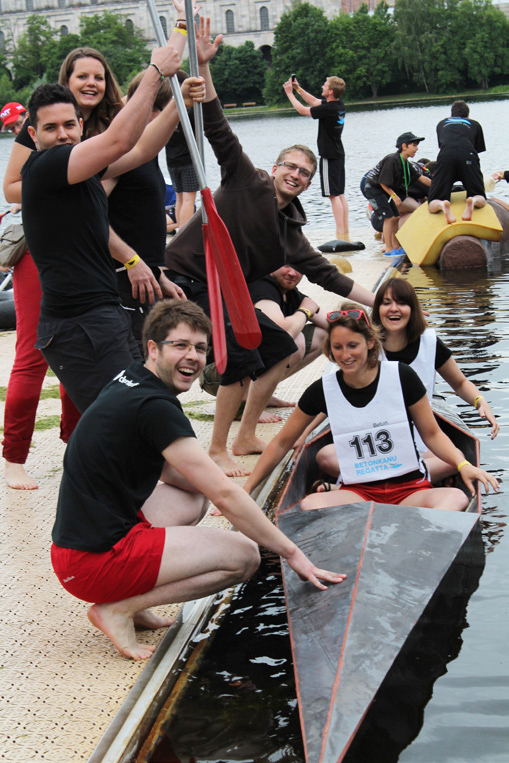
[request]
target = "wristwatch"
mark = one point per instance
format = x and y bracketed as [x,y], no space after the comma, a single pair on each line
[306,312]
[181,24]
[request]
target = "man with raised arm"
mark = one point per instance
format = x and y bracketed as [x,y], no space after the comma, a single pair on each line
[127,543]
[83,332]
[330,112]
[265,219]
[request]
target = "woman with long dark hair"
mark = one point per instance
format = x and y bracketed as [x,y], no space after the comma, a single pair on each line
[407,338]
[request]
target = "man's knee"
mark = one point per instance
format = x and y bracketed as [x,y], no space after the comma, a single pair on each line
[249,557]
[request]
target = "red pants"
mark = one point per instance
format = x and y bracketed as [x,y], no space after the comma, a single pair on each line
[29,370]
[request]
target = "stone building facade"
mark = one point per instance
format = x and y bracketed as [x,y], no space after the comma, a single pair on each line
[238,20]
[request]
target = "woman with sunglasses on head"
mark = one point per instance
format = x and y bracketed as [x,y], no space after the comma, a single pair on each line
[406,338]
[373,407]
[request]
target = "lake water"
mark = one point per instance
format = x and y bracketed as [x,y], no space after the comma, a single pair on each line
[463,717]
[368,136]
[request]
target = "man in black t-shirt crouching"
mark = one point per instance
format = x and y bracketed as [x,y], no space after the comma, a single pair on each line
[124,541]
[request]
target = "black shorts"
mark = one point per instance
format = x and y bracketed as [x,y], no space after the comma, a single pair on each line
[88,350]
[456,163]
[276,344]
[332,176]
[381,203]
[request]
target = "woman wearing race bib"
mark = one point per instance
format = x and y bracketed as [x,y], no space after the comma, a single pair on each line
[405,338]
[373,407]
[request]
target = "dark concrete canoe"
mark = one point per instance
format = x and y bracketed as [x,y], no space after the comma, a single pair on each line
[345,640]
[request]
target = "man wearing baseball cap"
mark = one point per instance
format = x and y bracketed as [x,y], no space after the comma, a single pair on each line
[386,187]
[13,116]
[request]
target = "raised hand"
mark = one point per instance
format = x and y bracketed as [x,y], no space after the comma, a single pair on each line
[205,48]
[179,6]
[193,89]
[166,59]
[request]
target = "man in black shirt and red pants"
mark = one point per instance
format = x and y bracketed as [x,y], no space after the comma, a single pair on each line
[83,332]
[330,111]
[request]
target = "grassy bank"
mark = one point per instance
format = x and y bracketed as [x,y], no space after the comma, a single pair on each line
[408,99]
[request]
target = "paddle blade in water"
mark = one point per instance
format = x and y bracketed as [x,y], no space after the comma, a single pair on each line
[216,306]
[233,284]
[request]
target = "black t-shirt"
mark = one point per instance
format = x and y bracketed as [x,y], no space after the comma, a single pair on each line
[331,116]
[67,232]
[389,171]
[268,288]
[136,211]
[409,353]
[114,460]
[23,137]
[177,151]
[460,132]
[312,402]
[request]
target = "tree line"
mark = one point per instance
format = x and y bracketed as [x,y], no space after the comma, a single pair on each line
[431,46]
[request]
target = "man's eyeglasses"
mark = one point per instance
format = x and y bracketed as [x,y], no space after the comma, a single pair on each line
[335,315]
[182,346]
[291,166]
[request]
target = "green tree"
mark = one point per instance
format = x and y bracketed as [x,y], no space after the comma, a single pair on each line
[362,48]
[486,41]
[27,61]
[427,44]
[239,73]
[301,46]
[54,53]
[125,49]
[7,90]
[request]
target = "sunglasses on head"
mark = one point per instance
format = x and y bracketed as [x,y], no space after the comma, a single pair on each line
[354,313]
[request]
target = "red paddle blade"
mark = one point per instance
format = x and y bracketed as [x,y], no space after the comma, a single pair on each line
[216,306]
[233,284]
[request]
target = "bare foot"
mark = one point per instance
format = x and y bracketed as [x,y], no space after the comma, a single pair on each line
[342,236]
[246,447]
[119,628]
[215,512]
[230,467]
[17,478]
[148,619]
[277,402]
[269,418]
[448,214]
[469,206]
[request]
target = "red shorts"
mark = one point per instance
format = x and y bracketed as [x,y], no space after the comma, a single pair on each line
[389,491]
[128,569]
